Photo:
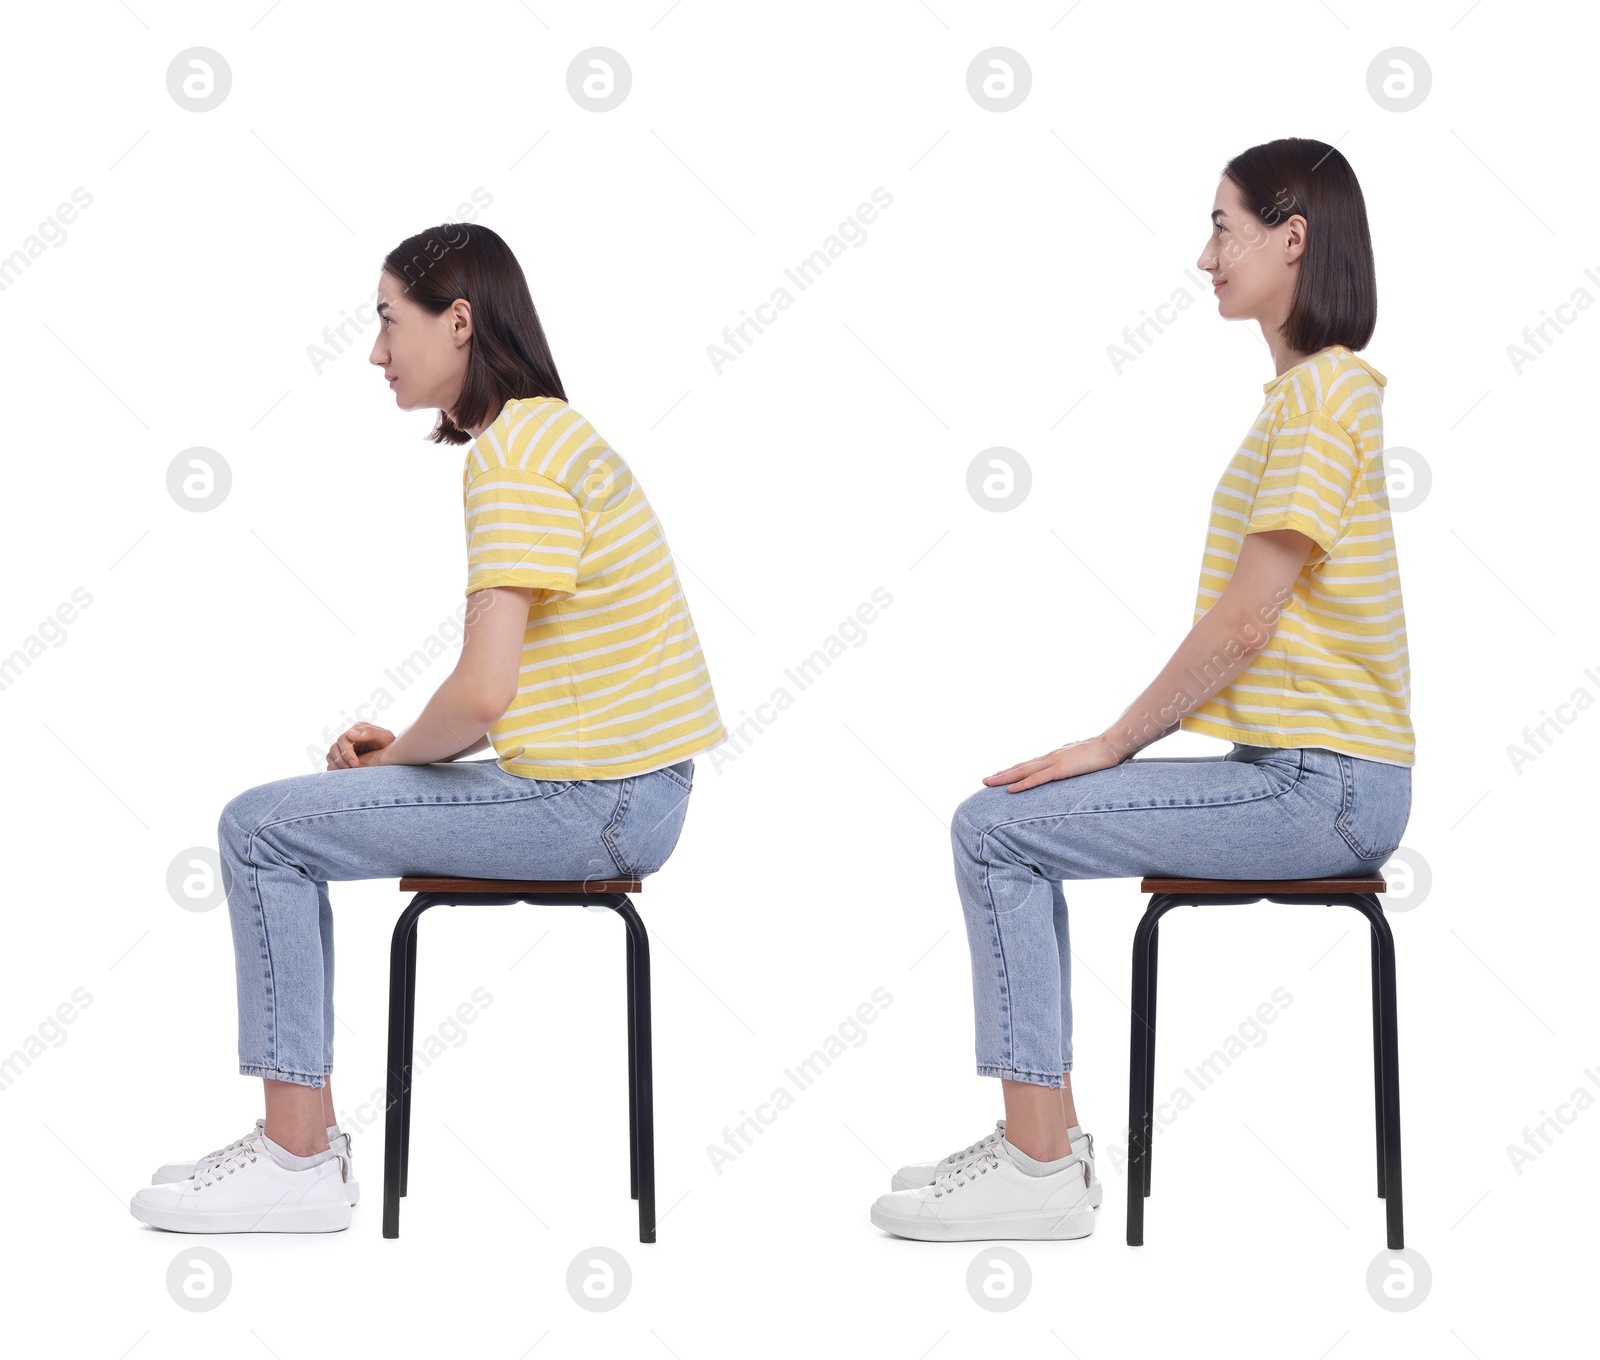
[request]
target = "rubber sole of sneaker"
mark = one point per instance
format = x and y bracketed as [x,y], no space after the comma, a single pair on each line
[1096,1193]
[1026,1227]
[298,1218]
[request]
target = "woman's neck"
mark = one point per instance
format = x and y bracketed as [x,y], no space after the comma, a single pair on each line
[1286,358]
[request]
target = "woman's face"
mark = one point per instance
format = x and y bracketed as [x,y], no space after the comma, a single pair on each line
[424,357]
[1251,264]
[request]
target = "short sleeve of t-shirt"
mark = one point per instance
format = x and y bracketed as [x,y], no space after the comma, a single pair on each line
[1308,481]
[522,530]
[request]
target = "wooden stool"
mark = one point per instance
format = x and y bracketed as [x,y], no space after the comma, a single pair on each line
[596,893]
[1168,893]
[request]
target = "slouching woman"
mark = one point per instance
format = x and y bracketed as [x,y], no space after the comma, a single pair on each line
[580,667]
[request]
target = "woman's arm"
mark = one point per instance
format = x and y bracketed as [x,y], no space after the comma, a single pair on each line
[1222,643]
[472,697]
[482,744]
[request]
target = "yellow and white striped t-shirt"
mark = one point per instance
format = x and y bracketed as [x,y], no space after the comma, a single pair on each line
[613,681]
[1336,673]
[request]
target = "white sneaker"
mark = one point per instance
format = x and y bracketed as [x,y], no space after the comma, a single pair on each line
[247,1191]
[920,1173]
[991,1196]
[181,1171]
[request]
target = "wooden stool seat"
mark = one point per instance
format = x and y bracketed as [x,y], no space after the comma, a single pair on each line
[518,885]
[1263,885]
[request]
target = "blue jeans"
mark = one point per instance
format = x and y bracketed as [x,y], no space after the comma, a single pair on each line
[1252,812]
[283,842]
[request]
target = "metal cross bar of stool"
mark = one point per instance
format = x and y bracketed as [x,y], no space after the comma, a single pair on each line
[1167,893]
[600,894]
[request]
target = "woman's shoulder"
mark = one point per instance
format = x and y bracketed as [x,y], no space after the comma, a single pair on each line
[1335,383]
[551,437]
[519,409]
[535,425]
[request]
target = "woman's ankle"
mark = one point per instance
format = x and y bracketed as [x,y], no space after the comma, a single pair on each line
[1041,1149]
[1035,1120]
[299,1140]
[294,1118]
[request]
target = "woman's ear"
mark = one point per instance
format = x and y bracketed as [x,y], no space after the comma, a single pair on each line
[1294,239]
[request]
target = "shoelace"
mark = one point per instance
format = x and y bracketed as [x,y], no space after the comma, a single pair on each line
[231,1148]
[212,1172]
[218,1154]
[250,1152]
[987,1141]
[951,1181]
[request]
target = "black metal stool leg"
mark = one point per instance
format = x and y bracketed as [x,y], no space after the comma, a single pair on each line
[1150,1055]
[401,945]
[1141,1061]
[1368,905]
[1391,1082]
[641,1078]
[1138,1058]
[407,1066]
[1377,1051]
[633,1077]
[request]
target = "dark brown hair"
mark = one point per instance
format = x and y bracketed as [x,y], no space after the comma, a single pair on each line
[508,356]
[1336,291]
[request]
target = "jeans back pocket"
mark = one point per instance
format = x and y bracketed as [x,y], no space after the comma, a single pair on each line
[1375,808]
[681,774]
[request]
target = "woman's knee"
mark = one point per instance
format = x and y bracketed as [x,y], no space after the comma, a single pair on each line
[242,812]
[965,819]
[241,823]
[976,820]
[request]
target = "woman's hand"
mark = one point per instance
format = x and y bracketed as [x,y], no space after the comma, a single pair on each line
[360,746]
[1078,757]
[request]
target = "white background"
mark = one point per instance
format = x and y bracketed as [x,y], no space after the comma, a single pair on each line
[829,459]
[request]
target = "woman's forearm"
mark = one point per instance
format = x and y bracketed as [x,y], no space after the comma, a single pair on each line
[454,721]
[1222,643]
